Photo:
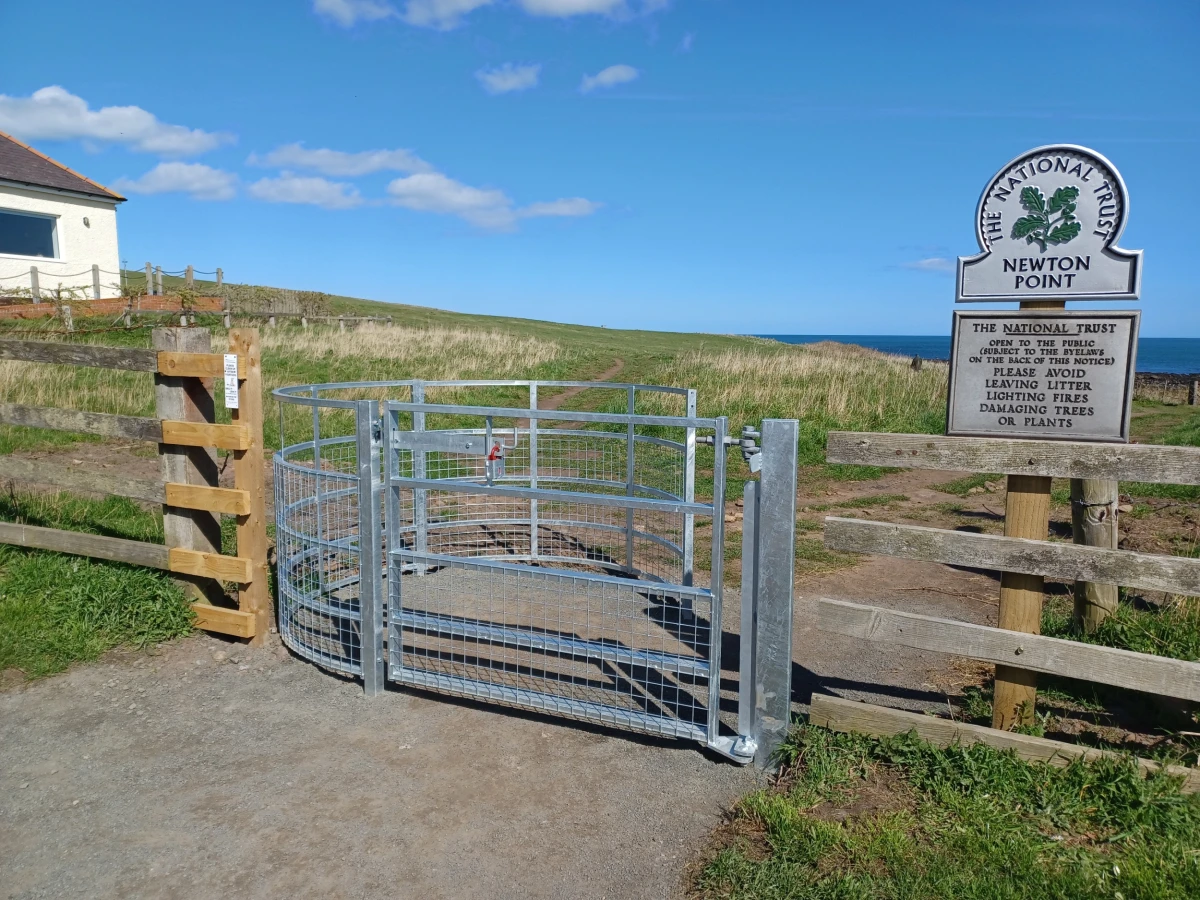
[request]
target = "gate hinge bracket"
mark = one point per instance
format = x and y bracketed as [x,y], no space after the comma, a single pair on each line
[751,452]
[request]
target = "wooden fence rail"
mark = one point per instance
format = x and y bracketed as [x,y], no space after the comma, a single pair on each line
[1066,562]
[41,472]
[1017,650]
[1051,656]
[186,434]
[1055,459]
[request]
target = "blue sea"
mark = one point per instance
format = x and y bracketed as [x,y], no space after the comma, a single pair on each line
[1167,355]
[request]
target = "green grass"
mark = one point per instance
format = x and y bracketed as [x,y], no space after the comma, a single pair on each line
[961,822]
[57,609]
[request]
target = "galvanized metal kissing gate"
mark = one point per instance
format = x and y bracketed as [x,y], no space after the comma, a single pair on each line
[538,558]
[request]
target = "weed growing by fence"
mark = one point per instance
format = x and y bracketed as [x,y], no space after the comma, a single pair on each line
[1172,629]
[897,818]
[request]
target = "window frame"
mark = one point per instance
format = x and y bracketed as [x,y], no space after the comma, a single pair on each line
[53,217]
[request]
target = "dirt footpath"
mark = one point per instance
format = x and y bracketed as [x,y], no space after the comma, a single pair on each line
[259,775]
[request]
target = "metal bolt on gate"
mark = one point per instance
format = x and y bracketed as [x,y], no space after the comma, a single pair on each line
[536,558]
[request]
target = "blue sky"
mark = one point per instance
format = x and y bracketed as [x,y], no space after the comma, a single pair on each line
[702,165]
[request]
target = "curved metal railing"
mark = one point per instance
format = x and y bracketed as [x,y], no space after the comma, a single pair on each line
[319,484]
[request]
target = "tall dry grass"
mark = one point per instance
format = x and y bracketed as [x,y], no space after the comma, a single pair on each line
[290,356]
[827,386]
[430,353]
[373,352]
[73,387]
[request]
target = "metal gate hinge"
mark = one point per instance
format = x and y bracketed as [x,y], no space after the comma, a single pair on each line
[751,452]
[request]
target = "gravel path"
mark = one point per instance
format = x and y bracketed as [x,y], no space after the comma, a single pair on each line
[179,776]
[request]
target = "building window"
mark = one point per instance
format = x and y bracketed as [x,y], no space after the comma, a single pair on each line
[24,234]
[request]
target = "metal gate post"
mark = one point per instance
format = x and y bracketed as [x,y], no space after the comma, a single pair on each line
[630,475]
[775,571]
[420,495]
[689,494]
[533,469]
[368,436]
[746,745]
[716,582]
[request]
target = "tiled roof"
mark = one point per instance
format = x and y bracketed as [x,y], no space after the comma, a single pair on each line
[22,164]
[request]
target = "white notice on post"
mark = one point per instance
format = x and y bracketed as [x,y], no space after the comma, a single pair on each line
[231,381]
[1051,375]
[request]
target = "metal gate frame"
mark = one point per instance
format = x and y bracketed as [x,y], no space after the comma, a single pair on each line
[764,696]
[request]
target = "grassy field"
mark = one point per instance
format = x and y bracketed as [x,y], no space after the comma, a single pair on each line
[852,817]
[855,817]
[740,377]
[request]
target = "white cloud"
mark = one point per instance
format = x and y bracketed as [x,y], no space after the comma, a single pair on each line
[568,206]
[348,13]
[441,14]
[340,163]
[609,77]
[434,192]
[200,181]
[508,77]
[446,14]
[485,208]
[55,114]
[685,42]
[313,191]
[931,264]
[565,8]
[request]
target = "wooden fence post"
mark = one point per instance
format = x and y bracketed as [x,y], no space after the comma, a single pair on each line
[228,314]
[249,476]
[1193,390]
[1094,523]
[68,322]
[35,289]
[189,400]
[220,276]
[188,279]
[95,281]
[1026,515]
[149,279]
[158,288]
[128,313]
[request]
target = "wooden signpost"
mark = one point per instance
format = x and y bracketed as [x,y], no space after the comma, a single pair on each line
[1048,225]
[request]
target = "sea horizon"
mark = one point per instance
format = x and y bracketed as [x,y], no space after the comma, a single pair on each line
[1159,355]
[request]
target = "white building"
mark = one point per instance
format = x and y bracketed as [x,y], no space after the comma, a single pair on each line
[57,222]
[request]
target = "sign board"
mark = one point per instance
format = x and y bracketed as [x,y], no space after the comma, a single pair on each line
[1048,225]
[1042,374]
[231,381]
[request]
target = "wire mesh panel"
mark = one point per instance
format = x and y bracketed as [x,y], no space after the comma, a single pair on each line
[558,582]
[616,651]
[318,552]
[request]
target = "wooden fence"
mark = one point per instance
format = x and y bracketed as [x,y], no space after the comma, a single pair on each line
[187,436]
[1020,654]
[304,318]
